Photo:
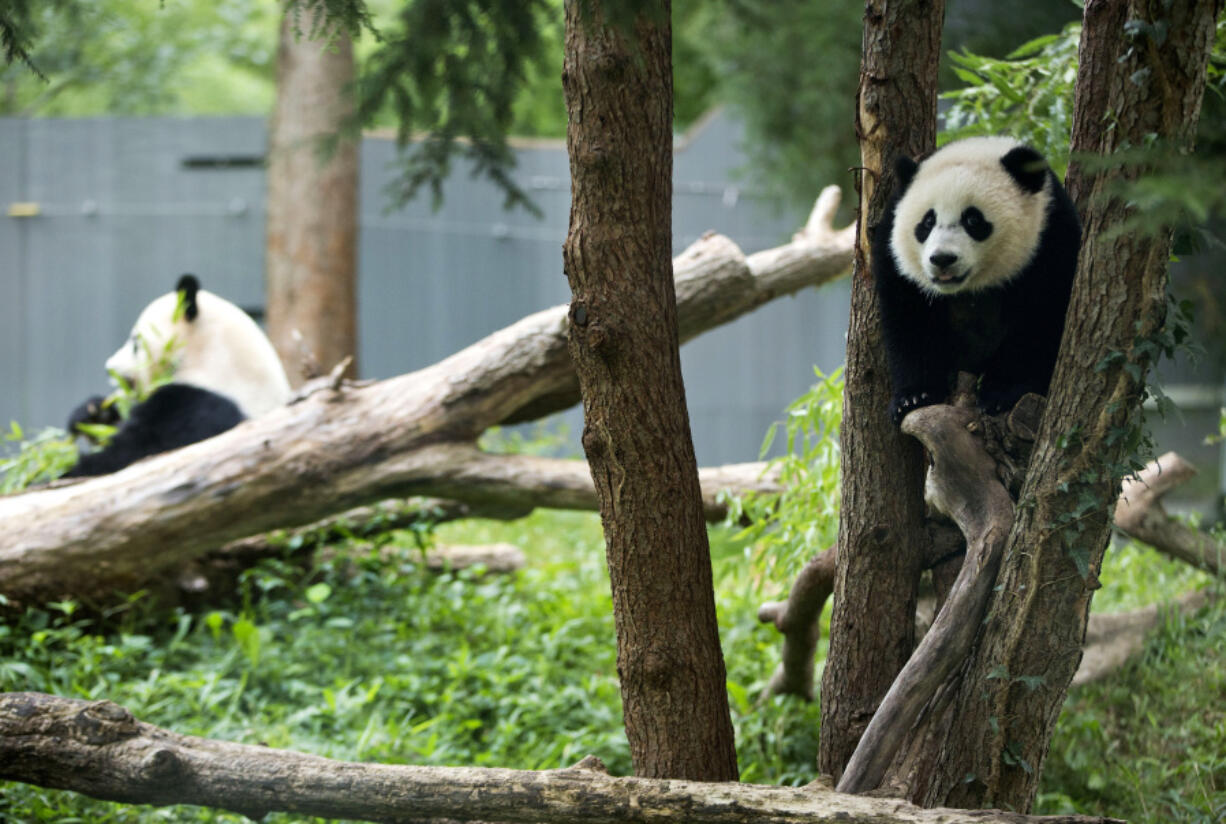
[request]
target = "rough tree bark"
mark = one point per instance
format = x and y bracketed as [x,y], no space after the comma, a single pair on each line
[881,533]
[312,222]
[98,748]
[323,455]
[962,484]
[617,82]
[984,739]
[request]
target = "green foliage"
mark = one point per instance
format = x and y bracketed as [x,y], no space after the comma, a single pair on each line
[1148,744]
[452,70]
[328,18]
[370,657]
[1028,95]
[16,32]
[788,528]
[790,68]
[46,456]
[197,56]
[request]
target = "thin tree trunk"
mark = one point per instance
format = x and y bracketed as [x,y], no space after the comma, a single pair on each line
[881,529]
[624,344]
[312,222]
[983,742]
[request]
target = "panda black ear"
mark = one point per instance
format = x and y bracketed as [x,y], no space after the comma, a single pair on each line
[187,287]
[1027,167]
[904,171]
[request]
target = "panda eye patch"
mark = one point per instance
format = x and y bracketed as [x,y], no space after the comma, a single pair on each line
[975,224]
[924,227]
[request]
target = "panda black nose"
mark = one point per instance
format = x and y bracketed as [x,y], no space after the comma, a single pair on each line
[943,260]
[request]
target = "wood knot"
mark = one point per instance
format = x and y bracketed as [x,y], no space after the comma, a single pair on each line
[160,765]
[593,444]
[592,764]
[596,338]
[104,722]
[578,313]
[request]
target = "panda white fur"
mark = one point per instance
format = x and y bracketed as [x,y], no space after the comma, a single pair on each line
[973,264]
[224,370]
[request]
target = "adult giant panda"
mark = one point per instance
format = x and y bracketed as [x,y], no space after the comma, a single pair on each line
[974,263]
[224,370]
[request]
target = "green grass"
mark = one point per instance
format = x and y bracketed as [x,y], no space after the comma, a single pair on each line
[1149,743]
[372,658]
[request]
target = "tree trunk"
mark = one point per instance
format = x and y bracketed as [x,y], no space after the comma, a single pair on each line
[312,231]
[624,343]
[983,742]
[98,748]
[881,529]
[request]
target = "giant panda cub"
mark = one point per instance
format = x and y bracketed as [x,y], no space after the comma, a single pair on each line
[224,370]
[974,263]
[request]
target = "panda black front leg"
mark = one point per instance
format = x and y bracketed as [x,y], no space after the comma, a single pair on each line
[998,399]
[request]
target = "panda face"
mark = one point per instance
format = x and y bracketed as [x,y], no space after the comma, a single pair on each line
[967,221]
[153,345]
[206,341]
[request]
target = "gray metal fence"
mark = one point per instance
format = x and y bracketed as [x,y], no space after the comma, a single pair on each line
[104,214]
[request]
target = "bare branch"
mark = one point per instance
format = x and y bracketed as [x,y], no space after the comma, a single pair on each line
[797,619]
[1140,514]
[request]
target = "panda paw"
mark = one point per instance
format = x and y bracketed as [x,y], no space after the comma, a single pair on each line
[906,402]
[997,400]
[93,411]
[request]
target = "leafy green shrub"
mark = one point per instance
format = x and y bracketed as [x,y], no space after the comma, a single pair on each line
[46,456]
[1149,744]
[1028,95]
[788,528]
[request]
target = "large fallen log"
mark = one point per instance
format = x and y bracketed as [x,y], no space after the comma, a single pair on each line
[99,749]
[345,447]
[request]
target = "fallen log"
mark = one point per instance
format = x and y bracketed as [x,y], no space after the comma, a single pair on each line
[530,482]
[350,446]
[99,749]
[1115,637]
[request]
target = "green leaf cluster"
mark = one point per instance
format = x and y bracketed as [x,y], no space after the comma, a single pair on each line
[187,56]
[786,529]
[37,459]
[448,70]
[1028,95]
